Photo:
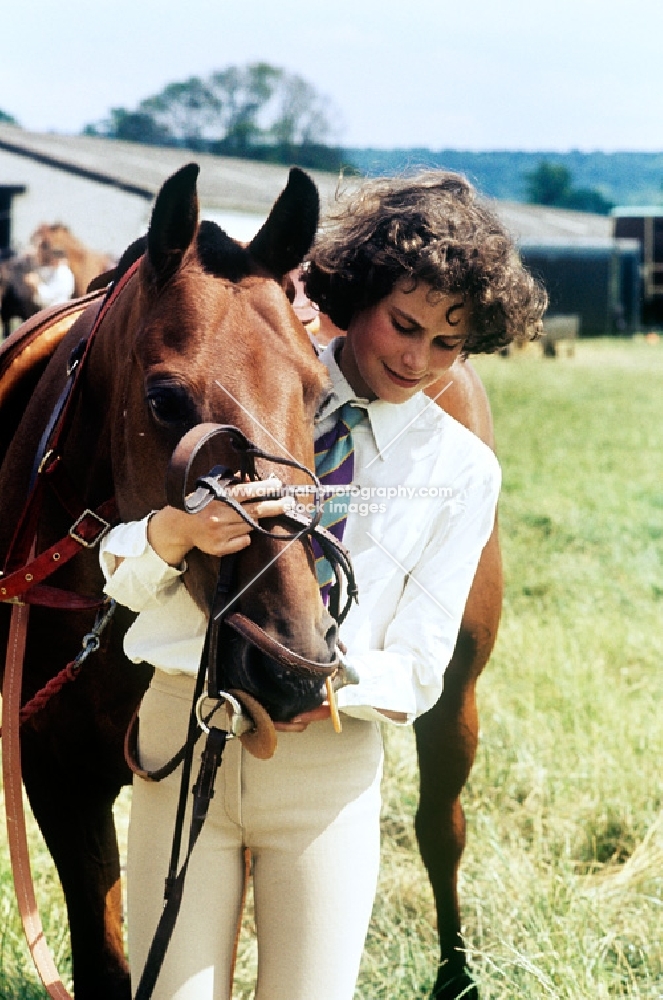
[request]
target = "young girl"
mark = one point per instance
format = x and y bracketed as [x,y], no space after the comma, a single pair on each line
[418,272]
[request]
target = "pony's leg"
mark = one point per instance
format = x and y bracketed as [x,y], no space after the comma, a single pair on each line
[446,739]
[75,815]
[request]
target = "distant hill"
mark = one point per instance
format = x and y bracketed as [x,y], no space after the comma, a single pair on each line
[623,178]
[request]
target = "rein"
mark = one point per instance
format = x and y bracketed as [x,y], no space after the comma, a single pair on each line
[215,486]
[261,739]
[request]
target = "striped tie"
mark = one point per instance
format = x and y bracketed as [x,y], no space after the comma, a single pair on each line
[334,466]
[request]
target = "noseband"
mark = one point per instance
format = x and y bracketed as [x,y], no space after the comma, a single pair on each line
[215,486]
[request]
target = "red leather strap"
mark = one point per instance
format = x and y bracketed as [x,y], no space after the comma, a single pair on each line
[87,326]
[84,533]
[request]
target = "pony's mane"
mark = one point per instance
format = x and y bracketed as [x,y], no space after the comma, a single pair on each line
[130,256]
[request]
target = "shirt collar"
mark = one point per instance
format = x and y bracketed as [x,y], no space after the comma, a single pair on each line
[387,420]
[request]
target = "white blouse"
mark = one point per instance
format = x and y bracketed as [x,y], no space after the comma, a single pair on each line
[423,506]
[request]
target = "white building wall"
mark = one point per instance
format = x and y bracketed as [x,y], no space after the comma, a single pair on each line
[102,217]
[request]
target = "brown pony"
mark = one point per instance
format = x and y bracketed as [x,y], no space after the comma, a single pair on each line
[201,331]
[74,794]
[447,735]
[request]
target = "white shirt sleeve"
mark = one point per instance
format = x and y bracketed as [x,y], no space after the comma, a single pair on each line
[135,575]
[407,675]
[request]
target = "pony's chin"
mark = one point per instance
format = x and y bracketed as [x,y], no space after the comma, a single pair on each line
[282,693]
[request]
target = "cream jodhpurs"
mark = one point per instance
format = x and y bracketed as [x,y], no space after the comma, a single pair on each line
[310,817]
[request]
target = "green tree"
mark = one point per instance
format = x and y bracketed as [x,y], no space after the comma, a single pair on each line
[588,200]
[188,112]
[548,184]
[257,111]
[551,184]
[131,126]
[7,119]
[244,93]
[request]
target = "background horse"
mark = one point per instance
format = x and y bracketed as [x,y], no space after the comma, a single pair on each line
[86,264]
[17,296]
[447,735]
[202,330]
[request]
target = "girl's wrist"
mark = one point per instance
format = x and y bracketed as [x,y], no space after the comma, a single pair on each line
[167,534]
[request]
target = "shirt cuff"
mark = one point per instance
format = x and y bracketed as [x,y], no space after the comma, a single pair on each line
[385,682]
[135,575]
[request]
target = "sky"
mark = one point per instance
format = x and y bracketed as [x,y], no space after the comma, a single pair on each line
[459,74]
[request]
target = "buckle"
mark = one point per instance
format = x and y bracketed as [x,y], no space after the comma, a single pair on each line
[104,527]
[238,723]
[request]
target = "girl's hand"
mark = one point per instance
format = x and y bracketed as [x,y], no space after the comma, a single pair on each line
[300,722]
[217,529]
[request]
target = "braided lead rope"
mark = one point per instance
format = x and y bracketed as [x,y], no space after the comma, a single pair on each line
[90,644]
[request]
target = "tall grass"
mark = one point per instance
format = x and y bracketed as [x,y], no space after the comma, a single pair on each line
[562,879]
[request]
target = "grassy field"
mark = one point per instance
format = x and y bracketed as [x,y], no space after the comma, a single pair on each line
[562,880]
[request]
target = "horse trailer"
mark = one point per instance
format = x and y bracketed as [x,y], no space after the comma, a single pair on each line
[595,279]
[646,226]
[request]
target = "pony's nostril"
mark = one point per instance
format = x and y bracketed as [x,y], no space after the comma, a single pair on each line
[331,637]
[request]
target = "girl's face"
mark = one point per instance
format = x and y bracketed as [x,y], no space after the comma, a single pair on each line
[403,343]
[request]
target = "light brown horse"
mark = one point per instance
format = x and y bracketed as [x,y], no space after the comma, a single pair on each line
[201,331]
[446,744]
[86,264]
[17,295]
[447,735]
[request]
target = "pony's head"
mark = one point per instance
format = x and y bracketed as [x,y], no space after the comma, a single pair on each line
[204,331]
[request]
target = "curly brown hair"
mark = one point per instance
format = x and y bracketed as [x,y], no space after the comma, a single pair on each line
[430,227]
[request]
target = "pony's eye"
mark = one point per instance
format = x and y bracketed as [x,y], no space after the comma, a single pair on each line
[171,405]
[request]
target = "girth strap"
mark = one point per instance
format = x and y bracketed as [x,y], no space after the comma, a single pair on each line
[13,788]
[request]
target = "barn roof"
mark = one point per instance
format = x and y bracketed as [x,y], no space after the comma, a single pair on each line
[225,184]
[246,186]
[543,224]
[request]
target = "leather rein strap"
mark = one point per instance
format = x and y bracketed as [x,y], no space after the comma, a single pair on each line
[214,486]
[13,788]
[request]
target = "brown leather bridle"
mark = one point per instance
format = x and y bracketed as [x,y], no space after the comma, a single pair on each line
[215,486]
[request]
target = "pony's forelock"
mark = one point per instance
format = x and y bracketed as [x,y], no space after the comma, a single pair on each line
[221,255]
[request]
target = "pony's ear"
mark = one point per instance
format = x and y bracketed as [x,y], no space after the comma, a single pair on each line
[174,222]
[287,235]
